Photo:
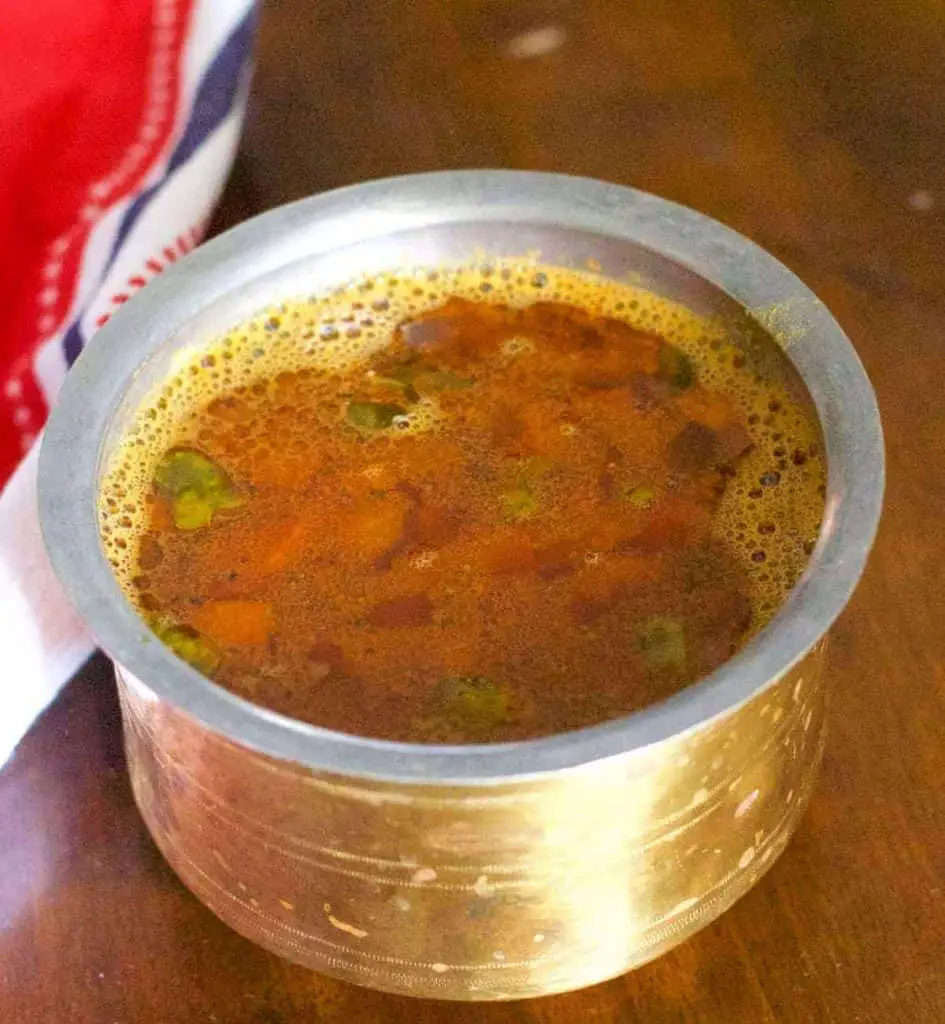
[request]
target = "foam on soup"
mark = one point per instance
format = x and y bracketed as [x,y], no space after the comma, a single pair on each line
[465,505]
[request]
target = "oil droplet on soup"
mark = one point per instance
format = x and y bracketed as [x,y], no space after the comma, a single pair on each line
[415,510]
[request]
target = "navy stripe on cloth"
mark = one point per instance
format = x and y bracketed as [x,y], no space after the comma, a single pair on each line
[214,100]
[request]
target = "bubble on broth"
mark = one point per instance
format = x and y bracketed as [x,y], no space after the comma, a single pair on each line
[330,335]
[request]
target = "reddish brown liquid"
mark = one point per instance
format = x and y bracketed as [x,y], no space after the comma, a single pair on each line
[503,526]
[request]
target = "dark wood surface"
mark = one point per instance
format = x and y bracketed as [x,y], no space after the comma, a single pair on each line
[816,129]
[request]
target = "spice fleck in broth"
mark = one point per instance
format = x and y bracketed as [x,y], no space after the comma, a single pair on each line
[466,506]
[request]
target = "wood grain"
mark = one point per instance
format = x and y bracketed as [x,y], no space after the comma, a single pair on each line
[816,130]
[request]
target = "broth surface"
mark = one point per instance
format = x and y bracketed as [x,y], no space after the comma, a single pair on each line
[466,506]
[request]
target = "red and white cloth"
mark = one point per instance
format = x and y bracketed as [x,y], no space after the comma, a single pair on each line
[119,120]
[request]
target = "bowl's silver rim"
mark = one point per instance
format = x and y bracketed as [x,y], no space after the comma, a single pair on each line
[818,347]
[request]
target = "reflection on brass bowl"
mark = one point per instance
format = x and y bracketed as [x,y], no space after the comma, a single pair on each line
[481,872]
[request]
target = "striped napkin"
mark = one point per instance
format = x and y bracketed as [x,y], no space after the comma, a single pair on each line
[118,125]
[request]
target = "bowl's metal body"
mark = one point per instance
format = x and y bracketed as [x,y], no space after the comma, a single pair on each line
[476,872]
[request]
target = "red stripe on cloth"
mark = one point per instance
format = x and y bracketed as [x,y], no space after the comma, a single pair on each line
[184,243]
[88,100]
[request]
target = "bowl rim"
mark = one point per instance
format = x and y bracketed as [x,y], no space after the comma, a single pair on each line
[812,339]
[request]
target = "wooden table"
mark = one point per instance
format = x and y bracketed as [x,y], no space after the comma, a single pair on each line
[816,129]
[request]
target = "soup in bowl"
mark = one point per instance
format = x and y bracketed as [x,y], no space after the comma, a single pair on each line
[466,544]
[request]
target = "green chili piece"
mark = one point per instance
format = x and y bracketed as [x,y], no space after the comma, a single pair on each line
[474,703]
[196,486]
[641,497]
[197,650]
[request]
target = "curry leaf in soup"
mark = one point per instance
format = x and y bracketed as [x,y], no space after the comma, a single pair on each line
[410,392]
[676,367]
[196,486]
[373,415]
[415,377]
[663,642]
[443,380]
[197,650]
[400,376]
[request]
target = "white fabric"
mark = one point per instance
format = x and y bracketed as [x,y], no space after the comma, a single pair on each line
[42,639]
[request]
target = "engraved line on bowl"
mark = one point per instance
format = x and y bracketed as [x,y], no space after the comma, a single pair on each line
[257,913]
[655,835]
[546,866]
[655,934]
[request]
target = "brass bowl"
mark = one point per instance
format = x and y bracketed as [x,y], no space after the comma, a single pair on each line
[488,872]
